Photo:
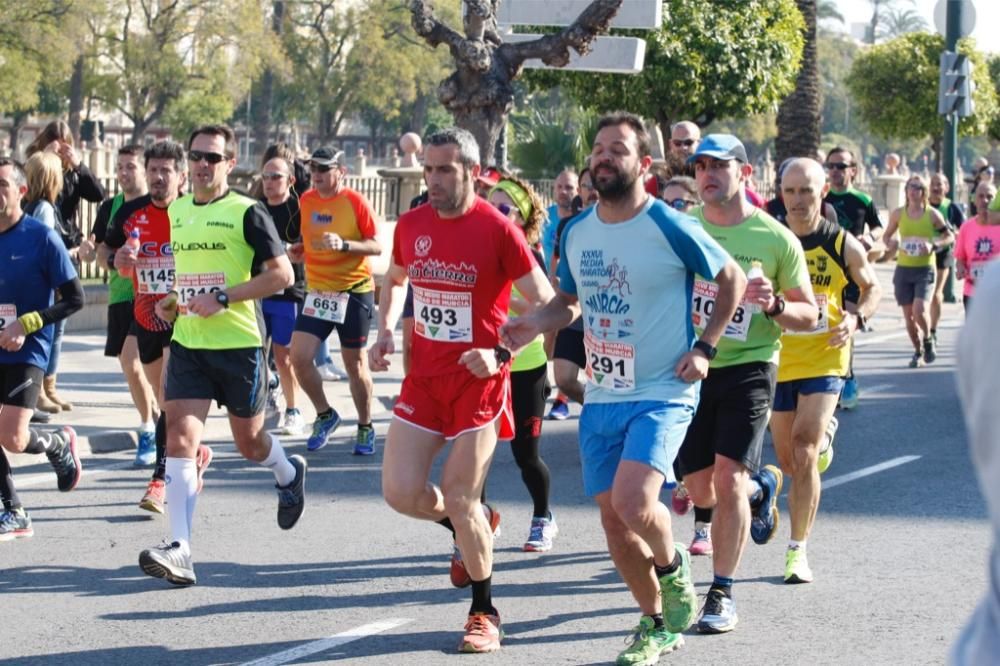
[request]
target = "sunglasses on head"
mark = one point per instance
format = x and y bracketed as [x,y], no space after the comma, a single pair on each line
[679,203]
[838,165]
[320,168]
[211,158]
[687,143]
[273,175]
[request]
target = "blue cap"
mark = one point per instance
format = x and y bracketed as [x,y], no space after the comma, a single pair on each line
[721,147]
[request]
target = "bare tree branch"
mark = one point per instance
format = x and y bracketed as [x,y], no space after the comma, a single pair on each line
[553,50]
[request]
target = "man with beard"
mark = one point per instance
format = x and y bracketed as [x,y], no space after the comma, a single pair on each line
[629,263]
[723,445]
[462,255]
[944,259]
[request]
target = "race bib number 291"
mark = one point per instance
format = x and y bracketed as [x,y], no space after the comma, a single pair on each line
[443,316]
[8,313]
[610,365]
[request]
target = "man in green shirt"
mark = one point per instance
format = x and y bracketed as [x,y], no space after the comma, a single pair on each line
[227,256]
[723,444]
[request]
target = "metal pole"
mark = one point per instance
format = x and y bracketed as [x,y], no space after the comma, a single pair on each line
[953,25]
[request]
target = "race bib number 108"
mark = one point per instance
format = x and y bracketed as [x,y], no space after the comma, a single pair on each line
[703,299]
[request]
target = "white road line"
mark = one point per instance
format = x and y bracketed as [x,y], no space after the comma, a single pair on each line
[325,644]
[39,479]
[874,340]
[868,471]
[877,388]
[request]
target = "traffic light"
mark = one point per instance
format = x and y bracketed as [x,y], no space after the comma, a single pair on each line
[955,91]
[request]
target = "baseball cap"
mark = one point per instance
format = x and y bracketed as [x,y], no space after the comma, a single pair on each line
[721,147]
[490,176]
[327,156]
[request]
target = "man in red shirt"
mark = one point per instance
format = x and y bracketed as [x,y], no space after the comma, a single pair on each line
[461,255]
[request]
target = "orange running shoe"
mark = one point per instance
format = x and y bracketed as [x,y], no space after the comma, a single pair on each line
[201,462]
[483,633]
[155,496]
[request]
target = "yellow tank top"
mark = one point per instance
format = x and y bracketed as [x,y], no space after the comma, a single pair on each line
[911,234]
[805,355]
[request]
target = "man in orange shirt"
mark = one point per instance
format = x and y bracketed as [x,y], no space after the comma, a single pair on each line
[338,236]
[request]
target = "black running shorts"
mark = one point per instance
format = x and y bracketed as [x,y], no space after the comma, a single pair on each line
[235,378]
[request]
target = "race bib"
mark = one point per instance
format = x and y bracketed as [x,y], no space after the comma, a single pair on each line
[977,270]
[442,316]
[703,305]
[8,313]
[610,365]
[914,246]
[823,323]
[194,284]
[155,275]
[327,305]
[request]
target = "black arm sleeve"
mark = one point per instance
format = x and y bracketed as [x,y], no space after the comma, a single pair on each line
[871,217]
[88,187]
[260,234]
[101,220]
[70,301]
[955,217]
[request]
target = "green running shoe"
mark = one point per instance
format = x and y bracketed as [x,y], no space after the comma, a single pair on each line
[680,603]
[797,567]
[826,451]
[647,643]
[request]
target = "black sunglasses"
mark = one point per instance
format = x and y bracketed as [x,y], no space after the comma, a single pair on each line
[679,203]
[211,158]
[687,143]
[838,165]
[503,208]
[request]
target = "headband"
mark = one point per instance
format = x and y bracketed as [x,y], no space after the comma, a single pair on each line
[518,195]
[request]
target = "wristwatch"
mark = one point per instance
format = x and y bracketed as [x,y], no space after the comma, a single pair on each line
[777,308]
[502,354]
[222,298]
[345,246]
[708,350]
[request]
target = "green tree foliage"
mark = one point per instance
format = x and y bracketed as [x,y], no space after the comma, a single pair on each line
[33,52]
[895,86]
[994,69]
[712,59]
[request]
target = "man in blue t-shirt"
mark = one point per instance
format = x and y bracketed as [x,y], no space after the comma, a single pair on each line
[629,263]
[34,264]
[567,186]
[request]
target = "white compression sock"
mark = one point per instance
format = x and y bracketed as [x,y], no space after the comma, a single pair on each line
[278,463]
[182,493]
[796,545]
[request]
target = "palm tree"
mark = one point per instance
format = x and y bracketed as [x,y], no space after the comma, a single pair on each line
[900,22]
[827,10]
[882,13]
[798,115]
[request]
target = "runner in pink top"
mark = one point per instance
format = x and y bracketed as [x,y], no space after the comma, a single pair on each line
[978,242]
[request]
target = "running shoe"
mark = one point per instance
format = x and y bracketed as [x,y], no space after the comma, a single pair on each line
[797,567]
[765,516]
[294,424]
[680,501]
[826,451]
[322,429]
[917,360]
[718,615]
[459,576]
[155,497]
[849,394]
[145,452]
[168,561]
[559,411]
[201,463]
[930,351]
[64,459]
[680,603]
[330,372]
[701,544]
[364,445]
[483,633]
[292,498]
[648,643]
[15,525]
[541,534]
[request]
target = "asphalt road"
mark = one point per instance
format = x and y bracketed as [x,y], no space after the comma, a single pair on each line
[899,550]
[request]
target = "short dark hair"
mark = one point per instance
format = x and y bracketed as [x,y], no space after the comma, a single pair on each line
[282,150]
[166,150]
[635,122]
[468,149]
[840,149]
[225,131]
[131,149]
[20,178]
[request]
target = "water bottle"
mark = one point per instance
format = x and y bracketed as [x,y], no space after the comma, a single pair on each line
[756,271]
[133,244]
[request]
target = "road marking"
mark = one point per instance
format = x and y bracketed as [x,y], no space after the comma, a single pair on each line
[878,388]
[866,341]
[39,479]
[325,644]
[868,471]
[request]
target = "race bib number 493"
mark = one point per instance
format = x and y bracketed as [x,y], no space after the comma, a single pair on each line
[155,275]
[195,284]
[8,313]
[703,305]
[610,365]
[442,316]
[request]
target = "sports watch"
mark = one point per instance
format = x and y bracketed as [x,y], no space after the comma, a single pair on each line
[222,298]
[708,350]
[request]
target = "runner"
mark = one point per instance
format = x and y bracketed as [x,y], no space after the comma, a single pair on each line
[121,340]
[923,231]
[857,214]
[338,236]
[152,274]
[944,258]
[723,445]
[813,363]
[461,255]
[629,263]
[978,241]
[34,265]
[226,254]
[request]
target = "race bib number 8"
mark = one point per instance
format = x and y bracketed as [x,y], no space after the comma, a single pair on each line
[155,275]
[195,284]
[327,305]
[8,313]
[822,323]
[442,316]
[703,305]
[610,365]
